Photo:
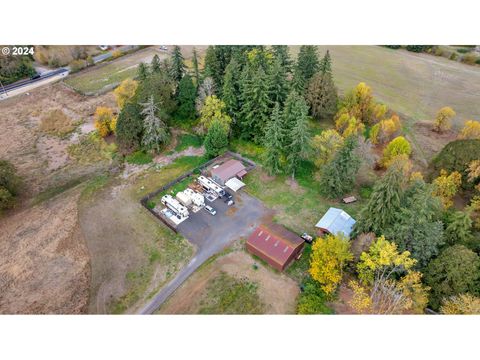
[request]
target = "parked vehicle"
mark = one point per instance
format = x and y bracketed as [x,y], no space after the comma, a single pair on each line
[210,209]
[228,196]
[163,48]
[307,238]
[35,76]
[230,202]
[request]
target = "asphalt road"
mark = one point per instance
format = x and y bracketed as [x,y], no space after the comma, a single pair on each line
[211,234]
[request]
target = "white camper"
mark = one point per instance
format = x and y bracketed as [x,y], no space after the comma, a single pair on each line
[196,198]
[174,205]
[208,184]
[184,198]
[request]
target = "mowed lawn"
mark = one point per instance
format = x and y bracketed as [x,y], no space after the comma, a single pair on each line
[415,85]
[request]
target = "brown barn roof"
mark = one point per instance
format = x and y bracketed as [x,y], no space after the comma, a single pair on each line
[275,242]
[229,169]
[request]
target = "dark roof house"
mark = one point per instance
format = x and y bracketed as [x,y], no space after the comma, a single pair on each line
[229,169]
[275,244]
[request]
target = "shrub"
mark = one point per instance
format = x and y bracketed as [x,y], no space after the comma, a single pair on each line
[77,65]
[396,147]
[417,48]
[463,50]
[10,184]
[477,61]
[471,130]
[57,123]
[116,54]
[453,56]
[469,59]
[103,121]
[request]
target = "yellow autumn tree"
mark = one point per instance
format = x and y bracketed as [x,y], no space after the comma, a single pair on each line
[328,259]
[471,130]
[213,110]
[125,91]
[103,118]
[474,211]
[446,185]
[443,119]
[474,171]
[388,284]
[325,146]
[384,131]
[396,147]
[463,304]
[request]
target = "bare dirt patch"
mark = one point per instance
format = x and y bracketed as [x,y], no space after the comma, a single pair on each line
[277,291]
[44,263]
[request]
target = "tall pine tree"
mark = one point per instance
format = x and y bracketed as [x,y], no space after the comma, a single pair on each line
[322,96]
[255,103]
[325,66]
[338,176]
[281,54]
[196,71]
[278,83]
[186,98]
[178,66]
[231,89]
[298,138]
[155,131]
[155,64]
[142,71]
[273,142]
[306,66]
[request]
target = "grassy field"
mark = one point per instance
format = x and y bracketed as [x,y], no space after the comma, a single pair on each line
[133,254]
[105,76]
[416,85]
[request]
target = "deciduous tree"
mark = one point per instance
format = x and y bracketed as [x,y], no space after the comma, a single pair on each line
[455,271]
[125,91]
[103,118]
[443,119]
[446,185]
[329,257]
[396,147]
[206,89]
[471,130]
[325,146]
[214,110]
[463,304]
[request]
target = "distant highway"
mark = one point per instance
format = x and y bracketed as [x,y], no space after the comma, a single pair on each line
[19,84]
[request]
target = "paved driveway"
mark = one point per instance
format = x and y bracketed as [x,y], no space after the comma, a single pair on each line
[212,234]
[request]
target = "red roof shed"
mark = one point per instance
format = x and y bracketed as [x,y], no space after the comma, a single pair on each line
[275,244]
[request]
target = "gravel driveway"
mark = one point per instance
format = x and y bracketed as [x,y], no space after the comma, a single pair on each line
[212,234]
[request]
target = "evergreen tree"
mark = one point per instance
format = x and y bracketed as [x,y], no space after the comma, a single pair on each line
[325,66]
[306,66]
[290,113]
[155,131]
[196,71]
[216,140]
[255,103]
[417,227]
[161,87]
[212,67]
[278,83]
[273,141]
[298,138]
[129,128]
[142,71]
[178,67]
[338,176]
[384,203]
[186,98]
[459,228]
[322,96]
[282,55]
[231,89]
[155,64]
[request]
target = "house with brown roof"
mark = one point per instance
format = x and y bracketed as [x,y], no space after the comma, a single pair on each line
[276,245]
[229,169]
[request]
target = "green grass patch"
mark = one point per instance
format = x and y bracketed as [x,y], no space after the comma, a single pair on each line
[228,295]
[56,190]
[365,192]
[93,185]
[139,158]
[187,140]
[247,149]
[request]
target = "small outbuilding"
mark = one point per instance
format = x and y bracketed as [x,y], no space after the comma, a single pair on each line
[234,184]
[336,221]
[228,170]
[276,245]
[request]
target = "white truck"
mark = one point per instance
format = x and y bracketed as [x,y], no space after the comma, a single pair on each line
[173,204]
[208,184]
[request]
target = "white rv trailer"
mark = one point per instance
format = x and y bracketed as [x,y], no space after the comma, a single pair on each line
[208,184]
[174,205]
[184,198]
[195,197]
